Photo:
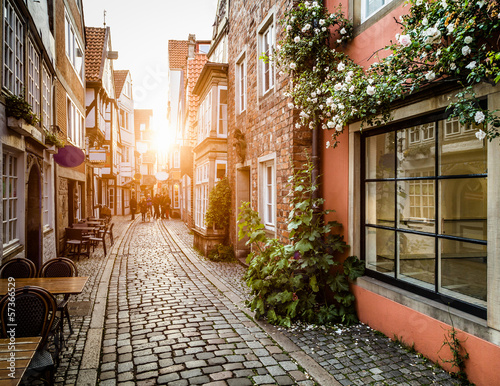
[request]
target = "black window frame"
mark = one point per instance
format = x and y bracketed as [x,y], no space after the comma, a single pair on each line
[435,295]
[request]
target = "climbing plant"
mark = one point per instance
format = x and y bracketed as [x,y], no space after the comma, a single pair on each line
[305,279]
[447,42]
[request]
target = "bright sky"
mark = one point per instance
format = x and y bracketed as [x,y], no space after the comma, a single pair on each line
[140,31]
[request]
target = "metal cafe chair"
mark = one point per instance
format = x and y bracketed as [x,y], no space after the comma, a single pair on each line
[100,237]
[18,267]
[74,241]
[60,267]
[35,316]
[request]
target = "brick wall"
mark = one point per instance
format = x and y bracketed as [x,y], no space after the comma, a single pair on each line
[268,124]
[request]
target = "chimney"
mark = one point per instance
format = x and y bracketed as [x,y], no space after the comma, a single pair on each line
[191,45]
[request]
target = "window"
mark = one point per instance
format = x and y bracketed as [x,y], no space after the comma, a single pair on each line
[74,50]
[425,196]
[78,211]
[266,47]
[33,78]
[46,202]
[111,198]
[75,124]
[175,200]
[10,199]
[222,113]
[241,85]
[205,117]
[201,195]
[46,98]
[13,51]
[177,159]
[220,170]
[142,127]
[268,194]
[369,7]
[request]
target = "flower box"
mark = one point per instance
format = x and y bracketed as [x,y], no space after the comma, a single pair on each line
[19,125]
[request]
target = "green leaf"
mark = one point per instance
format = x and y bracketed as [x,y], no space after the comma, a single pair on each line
[313,284]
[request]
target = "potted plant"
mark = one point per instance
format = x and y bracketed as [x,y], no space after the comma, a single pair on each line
[20,114]
[52,141]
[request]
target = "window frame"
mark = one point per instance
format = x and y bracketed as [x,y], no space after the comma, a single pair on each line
[75,123]
[437,293]
[73,47]
[13,64]
[201,194]
[222,110]
[11,202]
[266,43]
[241,83]
[267,192]
[365,15]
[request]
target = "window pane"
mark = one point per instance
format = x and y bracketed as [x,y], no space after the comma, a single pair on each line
[416,259]
[380,250]
[463,210]
[460,151]
[463,271]
[414,153]
[380,203]
[380,156]
[416,205]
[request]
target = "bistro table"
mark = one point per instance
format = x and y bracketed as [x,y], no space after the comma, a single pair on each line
[55,285]
[24,349]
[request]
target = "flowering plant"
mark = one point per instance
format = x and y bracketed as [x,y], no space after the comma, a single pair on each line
[441,42]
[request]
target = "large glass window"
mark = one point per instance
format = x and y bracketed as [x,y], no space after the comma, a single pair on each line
[222,113]
[369,7]
[46,98]
[10,199]
[267,194]
[241,85]
[205,117]
[46,195]
[33,78]
[75,123]
[201,195]
[13,51]
[425,196]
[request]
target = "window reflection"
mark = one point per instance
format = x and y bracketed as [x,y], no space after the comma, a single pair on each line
[380,156]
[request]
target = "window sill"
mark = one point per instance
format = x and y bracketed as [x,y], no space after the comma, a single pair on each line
[12,251]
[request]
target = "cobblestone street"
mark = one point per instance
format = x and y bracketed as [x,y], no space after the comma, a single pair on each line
[156,312]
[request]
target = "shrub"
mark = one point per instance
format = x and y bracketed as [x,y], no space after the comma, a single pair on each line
[221,253]
[219,205]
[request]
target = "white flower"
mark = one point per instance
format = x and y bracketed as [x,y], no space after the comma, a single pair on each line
[471,65]
[350,73]
[322,22]
[296,39]
[480,3]
[341,66]
[289,27]
[343,31]
[370,81]
[293,66]
[323,29]
[453,66]
[290,105]
[419,2]
[338,127]
[479,117]
[370,90]
[425,21]
[315,4]
[316,31]
[311,125]
[307,27]
[321,107]
[330,125]
[307,4]
[329,101]
[340,106]
[450,27]
[466,50]
[281,73]
[433,35]
[444,4]
[351,89]
[468,40]
[303,114]
[430,76]
[313,94]
[480,134]
[327,144]
[338,87]
[405,40]
[297,125]
[339,41]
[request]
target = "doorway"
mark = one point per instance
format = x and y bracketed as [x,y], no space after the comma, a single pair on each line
[242,195]
[34,217]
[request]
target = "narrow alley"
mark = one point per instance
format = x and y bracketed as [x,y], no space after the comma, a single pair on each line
[156,312]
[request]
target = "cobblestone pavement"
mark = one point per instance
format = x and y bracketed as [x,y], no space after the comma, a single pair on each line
[166,323]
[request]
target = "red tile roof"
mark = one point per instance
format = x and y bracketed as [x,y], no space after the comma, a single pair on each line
[194,68]
[177,54]
[120,77]
[94,53]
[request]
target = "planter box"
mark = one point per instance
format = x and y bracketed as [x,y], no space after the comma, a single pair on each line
[206,239]
[19,126]
[52,149]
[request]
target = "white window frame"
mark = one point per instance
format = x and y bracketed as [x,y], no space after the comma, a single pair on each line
[33,78]
[201,195]
[366,13]
[241,83]
[13,50]
[266,44]
[46,98]
[205,117]
[75,124]
[221,113]
[11,220]
[267,191]
[74,51]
